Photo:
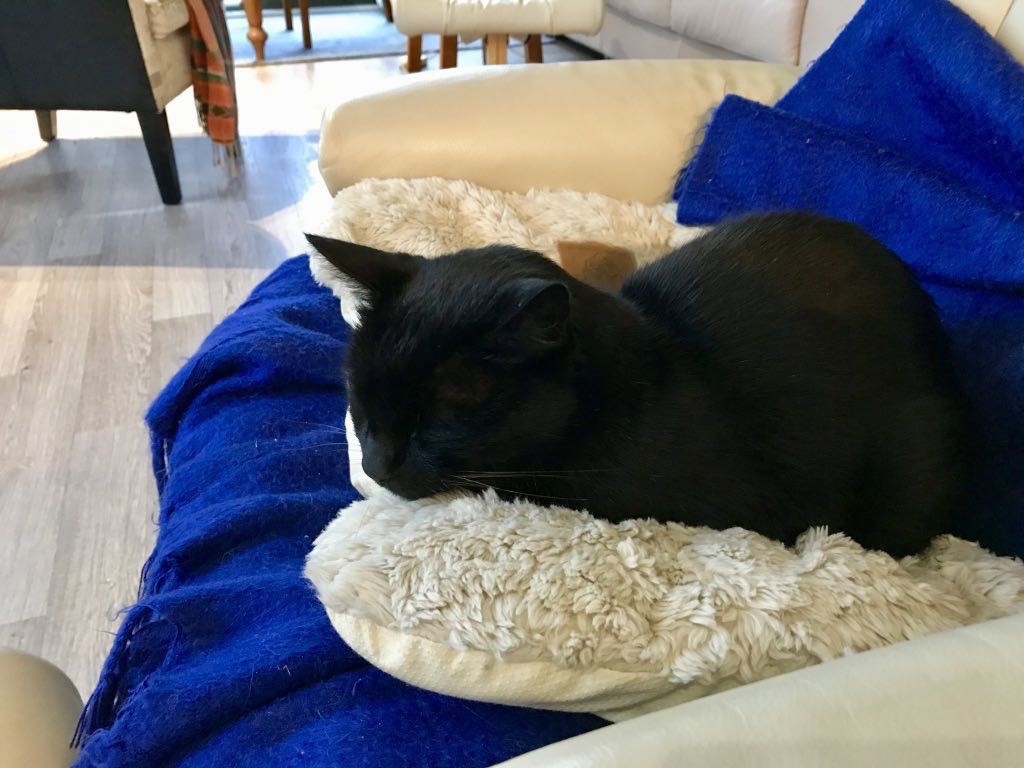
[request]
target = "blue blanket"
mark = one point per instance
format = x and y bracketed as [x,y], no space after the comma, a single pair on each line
[228,659]
[911,125]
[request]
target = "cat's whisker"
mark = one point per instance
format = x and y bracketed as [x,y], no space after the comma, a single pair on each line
[535,472]
[308,447]
[314,424]
[478,484]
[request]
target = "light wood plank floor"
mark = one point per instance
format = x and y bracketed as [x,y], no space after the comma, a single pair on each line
[103,294]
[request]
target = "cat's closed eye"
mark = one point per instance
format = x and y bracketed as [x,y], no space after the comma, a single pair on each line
[462,384]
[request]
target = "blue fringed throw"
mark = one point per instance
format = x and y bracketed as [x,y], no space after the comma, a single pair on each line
[911,125]
[228,659]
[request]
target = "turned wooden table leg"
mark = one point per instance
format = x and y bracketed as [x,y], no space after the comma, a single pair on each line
[414,57]
[496,49]
[449,51]
[534,50]
[307,38]
[257,36]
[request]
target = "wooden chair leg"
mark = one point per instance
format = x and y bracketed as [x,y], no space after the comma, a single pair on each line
[287,6]
[534,50]
[388,14]
[256,34]
[157,135]
[496,49]
[307,38]
[449,51]
[414,54]
[46,119]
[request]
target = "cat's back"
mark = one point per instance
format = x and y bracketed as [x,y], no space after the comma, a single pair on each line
[828,364]
[791,291]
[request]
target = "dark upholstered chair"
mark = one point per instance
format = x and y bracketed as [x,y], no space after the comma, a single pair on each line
[123,55]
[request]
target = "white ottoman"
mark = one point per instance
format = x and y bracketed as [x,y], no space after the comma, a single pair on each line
[494,20]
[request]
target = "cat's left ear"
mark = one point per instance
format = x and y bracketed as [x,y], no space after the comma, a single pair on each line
[539,318]
[378,273]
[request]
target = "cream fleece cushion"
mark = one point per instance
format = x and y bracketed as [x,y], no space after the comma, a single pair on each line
[547,607]
[433,217]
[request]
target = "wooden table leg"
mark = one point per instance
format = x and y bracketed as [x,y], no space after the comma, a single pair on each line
[534,50]
[286,5]
[388,15]
[257,36]
[496,49]
[307,39]
[449,51]
[414,60]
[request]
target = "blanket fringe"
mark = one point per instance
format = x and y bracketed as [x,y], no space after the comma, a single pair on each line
[111,690]
[228,155]
[696,140]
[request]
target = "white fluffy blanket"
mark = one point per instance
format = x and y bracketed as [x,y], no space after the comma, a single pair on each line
[692,607]
[433,217]
[696,606]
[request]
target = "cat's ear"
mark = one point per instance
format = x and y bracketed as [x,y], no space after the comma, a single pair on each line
[376,272]
[538,320]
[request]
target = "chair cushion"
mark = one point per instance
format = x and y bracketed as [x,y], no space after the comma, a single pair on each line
[657,12]
[165,16]
[515,17]
[769,31]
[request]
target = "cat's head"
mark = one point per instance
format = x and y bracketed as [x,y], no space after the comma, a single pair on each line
[460,365]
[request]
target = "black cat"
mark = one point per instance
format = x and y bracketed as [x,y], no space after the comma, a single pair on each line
[779,372]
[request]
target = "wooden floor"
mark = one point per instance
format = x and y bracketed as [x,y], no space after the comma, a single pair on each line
[103,294]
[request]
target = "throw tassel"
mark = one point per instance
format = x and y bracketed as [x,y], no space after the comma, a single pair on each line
[229,155]
[112,690]
[213,80]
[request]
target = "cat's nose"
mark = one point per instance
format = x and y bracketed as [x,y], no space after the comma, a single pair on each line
[378,461]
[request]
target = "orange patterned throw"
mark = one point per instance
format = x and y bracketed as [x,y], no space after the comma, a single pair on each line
[213,79]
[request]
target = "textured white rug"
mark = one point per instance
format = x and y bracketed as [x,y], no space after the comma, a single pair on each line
[432,217]
[586,615]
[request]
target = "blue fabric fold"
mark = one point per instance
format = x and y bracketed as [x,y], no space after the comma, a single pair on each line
[911,125]
[920,77]
[228,658]
[759,158]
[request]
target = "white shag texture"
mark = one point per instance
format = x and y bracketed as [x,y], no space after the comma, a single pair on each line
[587,615]
[692,607]
[433,217]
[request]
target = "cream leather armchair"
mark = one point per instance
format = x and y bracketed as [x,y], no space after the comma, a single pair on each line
[614,127]
[785,31]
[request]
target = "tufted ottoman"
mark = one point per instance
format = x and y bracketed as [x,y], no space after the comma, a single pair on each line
[494,20]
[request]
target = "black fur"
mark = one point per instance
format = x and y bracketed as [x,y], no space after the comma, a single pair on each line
[782,371]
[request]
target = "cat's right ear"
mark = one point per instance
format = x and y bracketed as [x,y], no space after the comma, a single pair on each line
[378,273]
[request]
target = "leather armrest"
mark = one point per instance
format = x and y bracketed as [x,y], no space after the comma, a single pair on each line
[621,128]
[954,698]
